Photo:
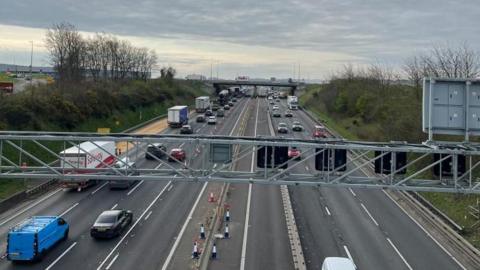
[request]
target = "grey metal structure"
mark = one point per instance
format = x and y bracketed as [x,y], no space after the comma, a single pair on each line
[30,155]
[451,106]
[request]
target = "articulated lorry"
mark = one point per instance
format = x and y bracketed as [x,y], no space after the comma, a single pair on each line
[202,104]
[292,102]
[177,116]
[87,155]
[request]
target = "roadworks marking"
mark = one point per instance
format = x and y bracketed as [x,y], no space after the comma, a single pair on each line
[113,261]
[328,211]
[96,190]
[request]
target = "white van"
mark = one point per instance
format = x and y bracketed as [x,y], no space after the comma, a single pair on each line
[338,263]
[123,165]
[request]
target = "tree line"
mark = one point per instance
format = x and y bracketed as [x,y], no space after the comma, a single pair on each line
[102,56]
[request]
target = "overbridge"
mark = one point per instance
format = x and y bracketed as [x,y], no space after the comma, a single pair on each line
[217,84]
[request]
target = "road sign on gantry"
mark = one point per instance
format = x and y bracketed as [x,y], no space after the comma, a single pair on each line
[451,106]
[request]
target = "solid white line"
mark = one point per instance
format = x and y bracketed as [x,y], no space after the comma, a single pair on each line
[95,191]
[249,199]
[306,168]
[425,231]
[135,187]
[61,256]
[69,209]
[368,213]
[353,193]
[133,226]
[399,254]
[328,211]
[148,215]
[115,206]
[348,254]
[113,260]
[182,231]
[245,229]
[29,207]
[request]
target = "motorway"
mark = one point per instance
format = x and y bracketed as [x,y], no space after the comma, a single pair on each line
[362,224]
[158,207]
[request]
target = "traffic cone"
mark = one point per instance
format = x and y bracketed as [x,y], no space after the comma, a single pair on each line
[227,216]
[211,198]
[214,251]
[226,234]
[195,251]
[202,232]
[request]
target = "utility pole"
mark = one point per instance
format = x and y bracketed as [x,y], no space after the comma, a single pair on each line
[218,64]
[293,78]
[31,64]
[211,70]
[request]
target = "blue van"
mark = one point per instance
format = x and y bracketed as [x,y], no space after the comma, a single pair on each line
[30,240]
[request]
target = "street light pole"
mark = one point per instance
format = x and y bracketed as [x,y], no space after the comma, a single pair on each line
[31,63]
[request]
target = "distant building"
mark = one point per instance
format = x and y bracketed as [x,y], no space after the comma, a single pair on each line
[25,69]
[196,77]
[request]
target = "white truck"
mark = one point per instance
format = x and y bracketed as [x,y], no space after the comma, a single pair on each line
[177,116]
[292,102]
[202,104]
[87,155]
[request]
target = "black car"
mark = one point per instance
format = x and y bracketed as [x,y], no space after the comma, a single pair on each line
[234,99]
[282,128]
[111,223]
[215,107]
[226,107]
[186,129]
[288,114]
[230,104]
[200,118]
[208,113]
[155,150]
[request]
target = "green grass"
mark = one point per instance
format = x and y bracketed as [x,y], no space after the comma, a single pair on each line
[9,187]
[5,78]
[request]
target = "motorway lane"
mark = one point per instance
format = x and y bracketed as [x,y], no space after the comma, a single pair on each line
[395,243]
[83,208]
[230,250]
[268,246]
[152,240]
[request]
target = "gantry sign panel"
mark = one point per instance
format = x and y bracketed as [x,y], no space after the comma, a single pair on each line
[451,106]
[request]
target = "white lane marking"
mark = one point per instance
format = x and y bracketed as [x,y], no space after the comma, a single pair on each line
[148,215]
[29,207]
[399,254]
[425,231]
[368,213]
[113,260]
[69,209]
[115,206]
[61,256]
[95,191]
[245,229]
[353,193]
[249,199]
[135,187]
[169,188]
[307,168]
[328,211]
[133,226]
[349,255]
[184,227]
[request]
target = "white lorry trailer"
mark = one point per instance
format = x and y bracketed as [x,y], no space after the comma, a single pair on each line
[87,155]
[202,104]
[292,102]
[177,116]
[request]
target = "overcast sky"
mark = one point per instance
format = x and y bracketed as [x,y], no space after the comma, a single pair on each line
[258,38]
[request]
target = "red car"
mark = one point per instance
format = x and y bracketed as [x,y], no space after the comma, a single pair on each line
[177,154]
[320,132]
[294,153]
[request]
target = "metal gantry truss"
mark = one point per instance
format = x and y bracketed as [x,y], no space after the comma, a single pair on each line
[36,155]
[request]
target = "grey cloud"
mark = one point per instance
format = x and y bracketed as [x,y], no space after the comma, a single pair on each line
[369,28]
